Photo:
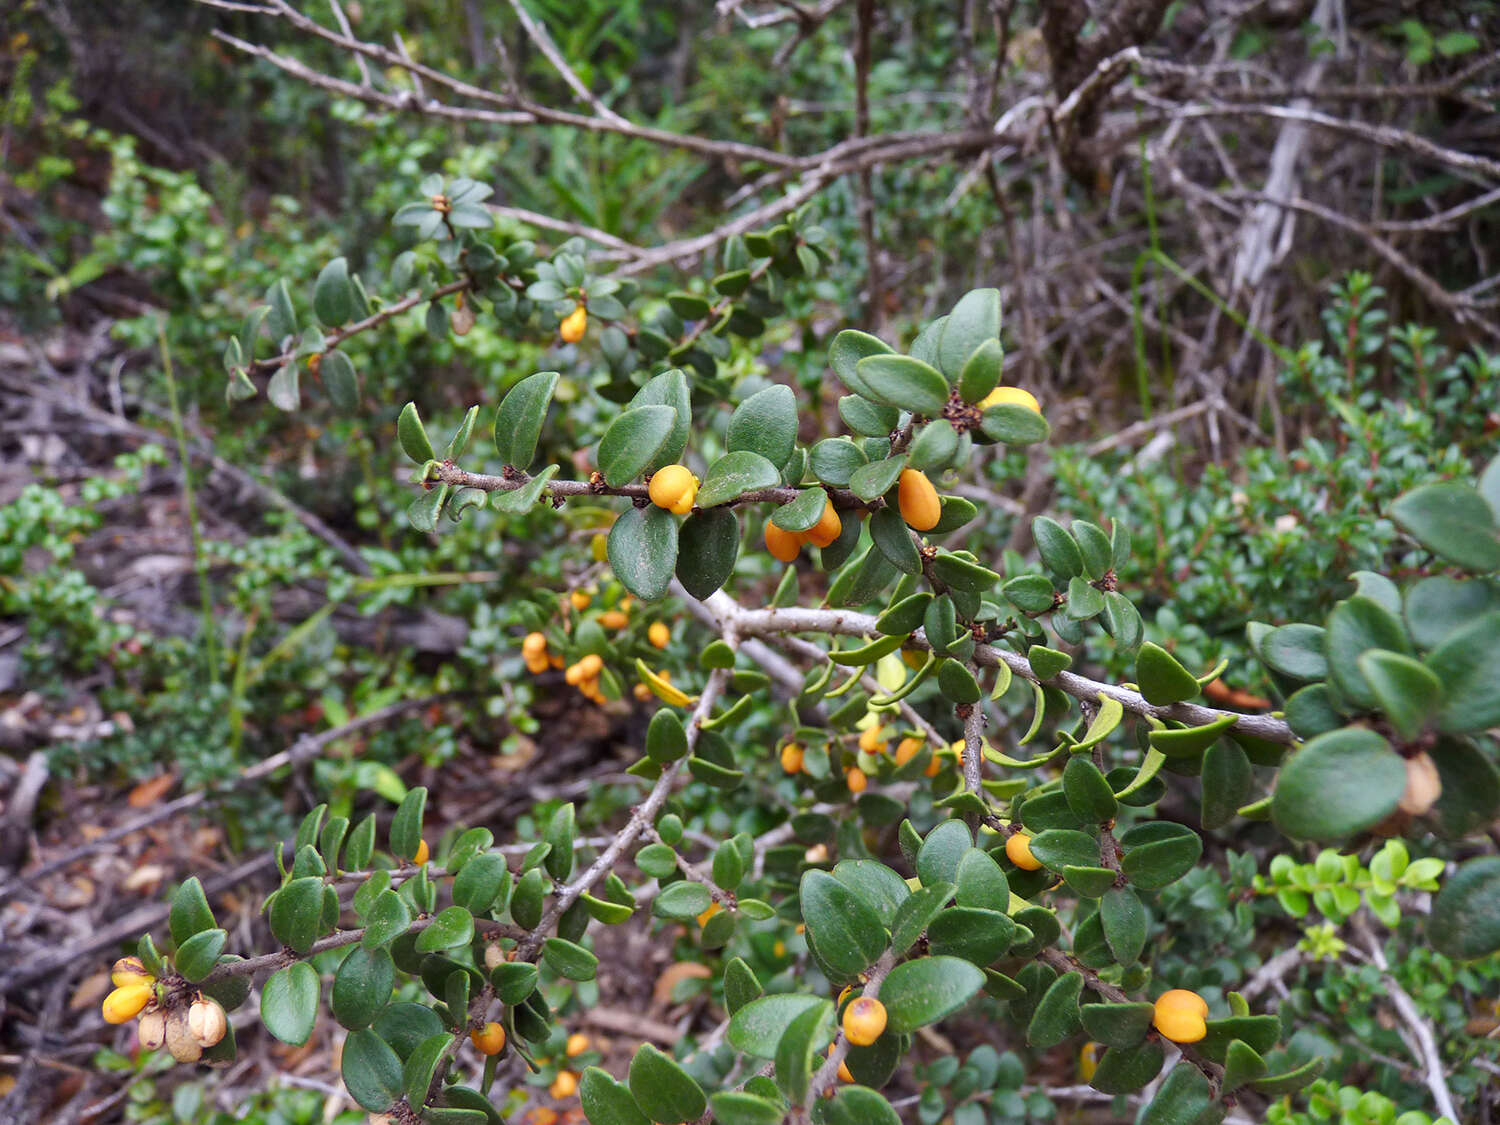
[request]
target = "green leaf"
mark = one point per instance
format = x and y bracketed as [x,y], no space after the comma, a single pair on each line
[872,481]
[1047,662]
[514,981]
[834,460]
[957,683]
[1059,551]
[283,316]
[559,837]
[934,447]
[803,513]
[963,575]
[1118,1025]
[757,1027]
[665,1091]
[1468,666]
[1124,1070]
[981,371]
[666,740]
[296,911]
[741,988]
[1030,593]
[632,440]
[523,412]
[1063,847]
[794,1060]
[981,882]
[920,992]
[413,435]
[421,1067]
[406,824]
[607,1102]
[389,919]
[197,956]
[1471,788]
[977,935]
[642,550]
[1162,679]
[480,882]
[845,353]
[681,901]
[735,474]
[449,929]
[942,851]
[1189,742]
[905,383]
[1084,601]
[1227,779]
[1014,424]
[1056,1016]
[670,388]
[1088,794]
[974,321]
[1185,1098]
[1289,1082]
[1465,919]
[371,1071]
[766,423]
[707,545]
[867,418]
[337,372]
[1452,521]
[1259,1032]
[1297,651]
[1338,784]
[1158,853]
[362,987]
[190,913]
[914,915]
[1355,626]
[845,928]
[333,297]
[289,1003]
[860,1105]
[1242,1063]
[569,960]
[1404,689]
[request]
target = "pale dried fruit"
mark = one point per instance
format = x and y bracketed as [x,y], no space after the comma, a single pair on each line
[179,1039]
[207,1021]
[151,1029]
[1423,785]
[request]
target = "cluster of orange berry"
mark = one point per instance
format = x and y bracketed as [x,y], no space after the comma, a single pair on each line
[187,1030]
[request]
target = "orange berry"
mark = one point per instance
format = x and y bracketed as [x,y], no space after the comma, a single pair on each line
[907,749]
[565,1085]
[827,529]
[791,758]
[642,692]
[592,665]
[870,741]
[864,1020]
[933,766]
[581,601]
[783,545]
[537,665]
[422,854]
[613,619]
[856,780]
[489,1039]
[659,635]
[1180,1016]
[845,1074]
[1018,851]
[534,645]
[918,500]
[127,1001]
[574,675]
[574,325]
[713,908]
[674,488]
[576,1045]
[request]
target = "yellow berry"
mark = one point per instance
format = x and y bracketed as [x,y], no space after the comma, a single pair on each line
[1018,851]
[791,758]
[564,1086]
[783,545]
[592,665]
[674,488]
[918,500]
[534,645]
[659,635]
[1013,396]
[1180,1016]
[126,1002]
[827,529]
[574,325]
[856,780]
[576,1045]
[864,1020]
[599,547]
[913,658]
[713,908]
[423,852]
[129,970]
[489,1039]
[907,749]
